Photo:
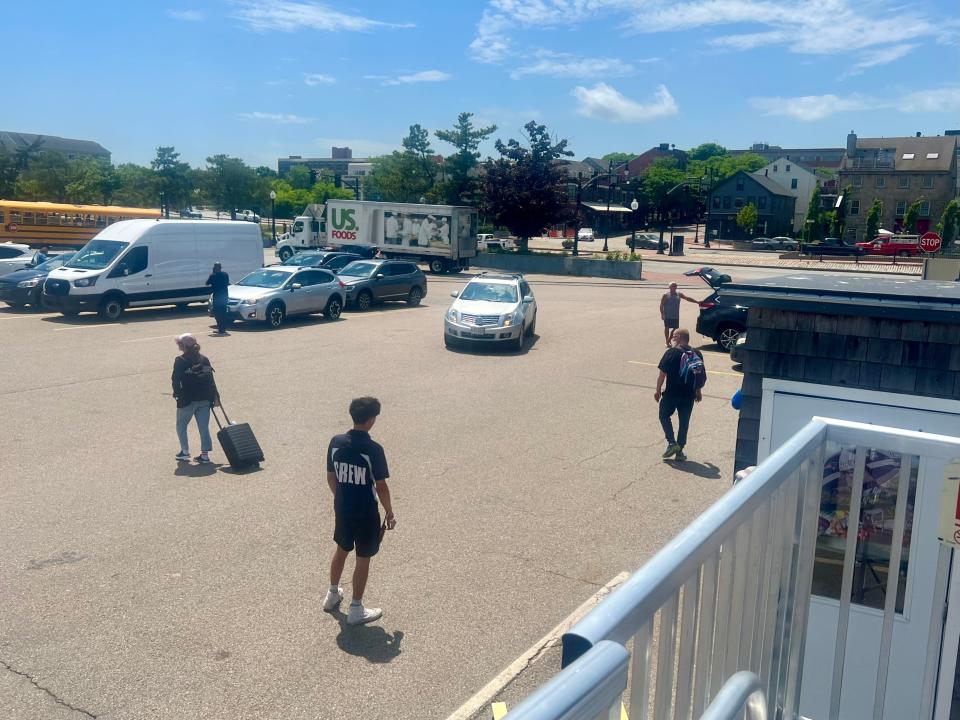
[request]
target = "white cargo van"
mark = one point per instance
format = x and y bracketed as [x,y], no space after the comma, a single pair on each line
[141,263]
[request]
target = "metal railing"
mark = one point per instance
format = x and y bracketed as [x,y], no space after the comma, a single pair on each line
[741,693]
[590,689]
[731,592]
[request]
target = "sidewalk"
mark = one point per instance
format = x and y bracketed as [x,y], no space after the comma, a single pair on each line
[723,255]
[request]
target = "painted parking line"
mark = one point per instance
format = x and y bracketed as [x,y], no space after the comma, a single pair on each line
[88,327]
[709,372]
[27,317]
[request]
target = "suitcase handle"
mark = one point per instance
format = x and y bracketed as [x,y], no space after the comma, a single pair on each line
[213,411]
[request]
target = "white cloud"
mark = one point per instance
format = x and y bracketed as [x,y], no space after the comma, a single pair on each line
[882,56]
[603,102]
[287,16]
[314,79]
[564,65]
[186,15]
[813,27]
[282,118]
[942,99]
[419,77]
[808,108]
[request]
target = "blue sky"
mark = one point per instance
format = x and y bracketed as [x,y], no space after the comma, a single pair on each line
[261,79]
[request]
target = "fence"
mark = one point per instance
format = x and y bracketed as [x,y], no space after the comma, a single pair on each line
[731,593]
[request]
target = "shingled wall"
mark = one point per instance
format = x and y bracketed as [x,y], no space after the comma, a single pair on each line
[909,357]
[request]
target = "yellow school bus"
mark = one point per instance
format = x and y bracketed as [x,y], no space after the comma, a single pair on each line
[57,224]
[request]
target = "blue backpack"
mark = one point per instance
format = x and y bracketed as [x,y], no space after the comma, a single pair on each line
[693,372]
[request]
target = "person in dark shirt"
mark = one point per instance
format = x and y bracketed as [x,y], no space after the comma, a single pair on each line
[357,476]
[195,391]
[219,281]
[678,397]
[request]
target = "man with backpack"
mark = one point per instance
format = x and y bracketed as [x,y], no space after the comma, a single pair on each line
[682,368]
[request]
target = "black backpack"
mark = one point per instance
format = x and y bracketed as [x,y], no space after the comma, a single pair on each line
[198,383]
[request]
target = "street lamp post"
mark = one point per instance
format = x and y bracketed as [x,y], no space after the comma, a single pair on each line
[576,217]
[273,216]
[634,205]
[606,224]
[162,203]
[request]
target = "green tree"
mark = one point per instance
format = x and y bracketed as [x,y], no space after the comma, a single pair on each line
[949,225]
[233,185]
[618,158]
[173,177]
[874,219]
[299,177]
[525,188]
[8,175]
[417,144]
[137,186]
[290,201]
[323,191]
[45,178]
[912,215]
[265,172]
[706,151]
[662,177]
[461,185]
[747,218]
[814,219]
[839,225]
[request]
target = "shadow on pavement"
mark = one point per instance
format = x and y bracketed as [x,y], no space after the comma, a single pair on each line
[249,470]
[130,316]
[196,471]
[704,470]
[368,641]
[482,347]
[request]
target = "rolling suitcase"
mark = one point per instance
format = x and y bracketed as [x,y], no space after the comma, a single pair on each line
[238,442]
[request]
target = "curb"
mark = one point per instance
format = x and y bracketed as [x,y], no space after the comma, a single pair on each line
[506,676]
[772,268]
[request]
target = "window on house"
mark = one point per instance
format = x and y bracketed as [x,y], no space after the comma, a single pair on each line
[903,181]
[933,156]
[857,181]
[927,181]
[907,156]
[738,203]
[774,168]
[716,202]
[925,209]
[788,168]
[880,182]
[739,184]
[726,202]
[762,202]
[901,208]
[793,183]
[751,200]
[854,207]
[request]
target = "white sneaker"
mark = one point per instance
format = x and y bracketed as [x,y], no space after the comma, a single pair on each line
[332,599]
[359,615]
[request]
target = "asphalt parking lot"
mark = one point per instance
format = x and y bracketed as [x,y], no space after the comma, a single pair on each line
[522,482]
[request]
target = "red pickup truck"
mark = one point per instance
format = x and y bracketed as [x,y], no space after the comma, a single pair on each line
[898,245]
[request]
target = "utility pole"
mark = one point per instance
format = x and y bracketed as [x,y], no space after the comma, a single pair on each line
[576,217]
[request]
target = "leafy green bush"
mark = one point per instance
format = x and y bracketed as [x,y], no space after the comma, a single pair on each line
[621,256]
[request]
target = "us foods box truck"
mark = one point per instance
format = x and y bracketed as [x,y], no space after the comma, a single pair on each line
[442,236]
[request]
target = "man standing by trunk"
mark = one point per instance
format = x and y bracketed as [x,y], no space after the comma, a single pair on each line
[357,475]
[685,374]
[670,311]
[219,281]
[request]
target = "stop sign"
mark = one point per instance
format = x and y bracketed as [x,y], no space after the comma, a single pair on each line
[930,242]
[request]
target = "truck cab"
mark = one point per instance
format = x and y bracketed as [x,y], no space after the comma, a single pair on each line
[307,232]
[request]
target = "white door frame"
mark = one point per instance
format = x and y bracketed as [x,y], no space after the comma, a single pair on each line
[946,650]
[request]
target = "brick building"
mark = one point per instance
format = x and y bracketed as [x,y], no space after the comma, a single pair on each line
[898,171]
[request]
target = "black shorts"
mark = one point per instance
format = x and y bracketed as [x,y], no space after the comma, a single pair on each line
[671,323]
[362,531]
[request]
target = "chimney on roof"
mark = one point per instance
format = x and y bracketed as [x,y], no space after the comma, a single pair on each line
[918,134]
[665,146]
[851,143]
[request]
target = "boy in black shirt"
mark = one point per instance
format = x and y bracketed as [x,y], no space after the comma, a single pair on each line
[679,395]
[357,475]
[219,281]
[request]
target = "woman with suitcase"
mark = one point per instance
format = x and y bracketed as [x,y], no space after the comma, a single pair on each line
[195,392]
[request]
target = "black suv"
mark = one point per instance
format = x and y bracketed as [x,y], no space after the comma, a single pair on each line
[720,322]
[373,281]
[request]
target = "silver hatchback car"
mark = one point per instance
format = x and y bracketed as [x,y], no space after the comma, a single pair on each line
[493,308]
[273,294]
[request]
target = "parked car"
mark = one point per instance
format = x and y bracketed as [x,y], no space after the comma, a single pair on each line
[366,251]
[191,214]
[330,259]
[248,215]
[776,244]
[25,287]
[491,308]
[373,281]
[893,245]
[585,235]
[647,241]
[722,323]
[486,241]
[14,256]
[273,294]
[831,246]
[738,351]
